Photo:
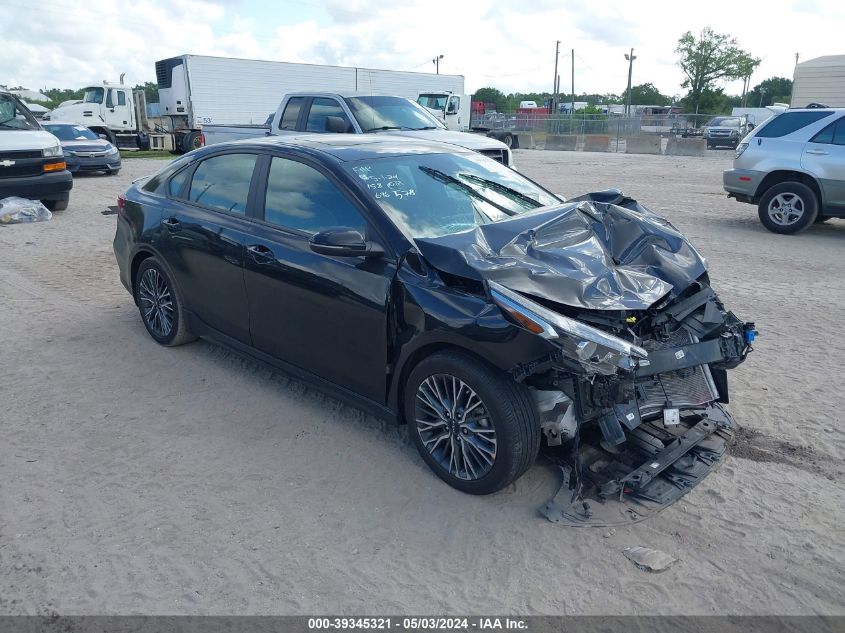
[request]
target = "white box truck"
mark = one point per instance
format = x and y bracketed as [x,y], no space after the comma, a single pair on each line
[197,90]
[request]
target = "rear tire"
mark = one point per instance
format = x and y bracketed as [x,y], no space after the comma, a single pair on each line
[191,141]
[507,139]
[160,305]
[55,205]
[482,432]
[788,208]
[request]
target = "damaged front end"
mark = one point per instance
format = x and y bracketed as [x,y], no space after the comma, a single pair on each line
[631,401]
[631,392]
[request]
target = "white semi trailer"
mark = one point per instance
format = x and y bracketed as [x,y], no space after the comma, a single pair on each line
[196,90]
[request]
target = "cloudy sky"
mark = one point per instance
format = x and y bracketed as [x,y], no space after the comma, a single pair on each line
[508,44]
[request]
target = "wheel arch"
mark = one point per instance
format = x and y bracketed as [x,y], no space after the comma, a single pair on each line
[414,358]
[785,175]
[144,253]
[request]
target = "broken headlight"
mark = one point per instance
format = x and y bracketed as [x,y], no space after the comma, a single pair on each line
[596,350]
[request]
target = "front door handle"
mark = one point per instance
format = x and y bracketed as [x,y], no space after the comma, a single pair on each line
[260,253]
[172,223]
[820,152]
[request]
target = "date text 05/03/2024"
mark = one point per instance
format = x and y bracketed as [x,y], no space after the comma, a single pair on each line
[417,624]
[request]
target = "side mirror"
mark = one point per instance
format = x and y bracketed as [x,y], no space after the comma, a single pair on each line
[337,124]
[343,242]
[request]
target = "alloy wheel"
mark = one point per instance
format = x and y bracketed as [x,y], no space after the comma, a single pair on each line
[455,426]
[156,302]
[786,209]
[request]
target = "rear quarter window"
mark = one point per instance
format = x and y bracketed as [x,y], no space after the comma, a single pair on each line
[790,122]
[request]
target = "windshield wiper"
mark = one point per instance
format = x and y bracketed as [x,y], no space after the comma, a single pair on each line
[444,177]
[495,186]
[427,127]
[385,127]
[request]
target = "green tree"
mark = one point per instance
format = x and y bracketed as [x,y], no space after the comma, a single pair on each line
[57,95]
[769,91]
[491,95]
[713,101]
[150,91]
[648,94]
[709,58]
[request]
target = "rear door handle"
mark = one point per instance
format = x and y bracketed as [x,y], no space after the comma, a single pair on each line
[172,223]
[260,253]
[817,151]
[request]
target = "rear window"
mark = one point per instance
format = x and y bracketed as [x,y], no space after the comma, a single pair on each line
[833,134]
[222,182]
[790,122]
[291,114]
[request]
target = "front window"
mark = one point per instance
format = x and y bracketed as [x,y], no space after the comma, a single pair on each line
[70,132]
[721,121]
[93,95]
[435,102]
[14,116]
[391,113]
[438,194]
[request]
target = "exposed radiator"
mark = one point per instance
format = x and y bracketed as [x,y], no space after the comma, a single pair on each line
[692,387]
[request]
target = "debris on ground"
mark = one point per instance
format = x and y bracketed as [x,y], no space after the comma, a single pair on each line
[649,559]
[15,210]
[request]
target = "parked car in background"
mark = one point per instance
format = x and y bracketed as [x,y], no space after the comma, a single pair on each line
[32,164]
[358,114]
[726,131]
[793,168]
[434,286]
[84,150]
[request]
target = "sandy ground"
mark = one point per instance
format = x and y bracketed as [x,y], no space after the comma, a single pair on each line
[139,479]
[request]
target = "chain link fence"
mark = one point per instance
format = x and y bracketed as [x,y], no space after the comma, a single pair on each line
[542,125]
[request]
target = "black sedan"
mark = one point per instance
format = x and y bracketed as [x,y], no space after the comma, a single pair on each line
[438,288]
[84,150]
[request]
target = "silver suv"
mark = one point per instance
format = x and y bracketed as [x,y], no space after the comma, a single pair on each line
[793,168]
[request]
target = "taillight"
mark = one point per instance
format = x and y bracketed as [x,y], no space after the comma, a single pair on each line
[121,202]
[202,139]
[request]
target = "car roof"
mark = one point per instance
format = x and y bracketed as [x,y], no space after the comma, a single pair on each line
[824,109]
[344,94]
[351,147]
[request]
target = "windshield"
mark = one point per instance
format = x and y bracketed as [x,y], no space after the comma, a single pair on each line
[70,132]
[93,95]
[391,113]
[14,116]
[724,121]
[437,194]
[434,101]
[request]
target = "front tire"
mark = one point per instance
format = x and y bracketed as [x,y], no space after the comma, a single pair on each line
[160,305]
[788,208]
[473,425]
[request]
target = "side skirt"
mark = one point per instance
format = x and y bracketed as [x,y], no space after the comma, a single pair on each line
[201,329]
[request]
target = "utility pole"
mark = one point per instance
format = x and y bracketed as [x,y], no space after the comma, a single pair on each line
[630,59]
[555,80]
[573,82]
[436,62]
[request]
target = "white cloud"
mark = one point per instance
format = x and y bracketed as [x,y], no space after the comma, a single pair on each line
[507,43]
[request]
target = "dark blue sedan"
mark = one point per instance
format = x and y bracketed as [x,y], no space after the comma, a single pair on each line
[84,150]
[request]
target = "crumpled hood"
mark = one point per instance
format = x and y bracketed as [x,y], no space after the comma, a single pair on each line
[601,251]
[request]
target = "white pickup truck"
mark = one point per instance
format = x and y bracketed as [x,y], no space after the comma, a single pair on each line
[331,112]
